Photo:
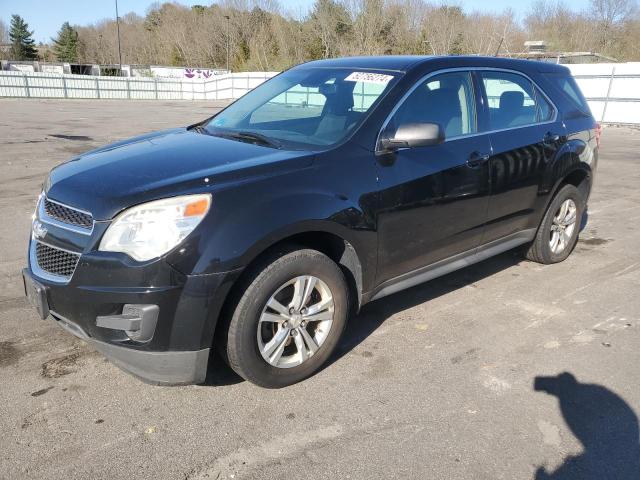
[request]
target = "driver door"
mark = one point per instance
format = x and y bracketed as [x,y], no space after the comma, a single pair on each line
[433,199]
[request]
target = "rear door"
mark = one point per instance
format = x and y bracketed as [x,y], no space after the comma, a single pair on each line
[525,134]
[433,199]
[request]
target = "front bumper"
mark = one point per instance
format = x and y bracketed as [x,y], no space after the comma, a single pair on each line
[187,313]
[160,368]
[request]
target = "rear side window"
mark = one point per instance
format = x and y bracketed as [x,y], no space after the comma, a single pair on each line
[511,100]
[544,109]
[446,99]
[569,87]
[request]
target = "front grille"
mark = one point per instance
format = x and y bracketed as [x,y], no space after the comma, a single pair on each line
[67,214]
[56,261]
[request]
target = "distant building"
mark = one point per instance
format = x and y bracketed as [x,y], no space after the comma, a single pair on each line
[537,50]
[535,46]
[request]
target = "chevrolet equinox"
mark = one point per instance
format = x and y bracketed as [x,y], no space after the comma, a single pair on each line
[259,231]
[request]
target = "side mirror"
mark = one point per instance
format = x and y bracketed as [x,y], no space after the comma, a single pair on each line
[411,135]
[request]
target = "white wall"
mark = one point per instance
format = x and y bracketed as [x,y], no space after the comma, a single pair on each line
[53,85]
[612,90]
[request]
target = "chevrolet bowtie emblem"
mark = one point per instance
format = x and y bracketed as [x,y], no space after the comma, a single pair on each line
[38,229]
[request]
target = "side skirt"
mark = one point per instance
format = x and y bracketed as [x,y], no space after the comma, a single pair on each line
[451,264]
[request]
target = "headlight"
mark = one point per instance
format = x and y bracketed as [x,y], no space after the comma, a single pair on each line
[152,229]
[35,212]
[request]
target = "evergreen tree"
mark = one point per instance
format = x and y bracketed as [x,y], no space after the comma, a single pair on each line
[457,47]
[65,46]
[22,45]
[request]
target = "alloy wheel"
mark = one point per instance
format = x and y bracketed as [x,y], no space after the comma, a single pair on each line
[295,322]
[563,226]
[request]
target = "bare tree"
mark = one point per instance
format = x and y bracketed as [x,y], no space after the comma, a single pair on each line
[264,36]
[4,32]
[329,23]
[487,34]
[368,22]
[443,31]
[612,12]
[4,39]
[609,17]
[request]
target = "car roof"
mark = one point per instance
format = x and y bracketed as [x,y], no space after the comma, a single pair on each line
[405,63]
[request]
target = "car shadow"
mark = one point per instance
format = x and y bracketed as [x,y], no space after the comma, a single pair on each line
[605,425]
[374,314]
[585,219]
[219,374]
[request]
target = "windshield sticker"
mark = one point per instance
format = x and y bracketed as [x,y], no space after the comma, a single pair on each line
[368,77]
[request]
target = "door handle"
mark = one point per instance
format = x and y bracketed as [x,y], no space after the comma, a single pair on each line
[476,159]
[550,138]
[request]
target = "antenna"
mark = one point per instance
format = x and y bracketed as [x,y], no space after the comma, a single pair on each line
[499,45]
[118,27]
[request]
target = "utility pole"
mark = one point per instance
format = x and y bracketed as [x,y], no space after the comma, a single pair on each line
[228,39]
[118,27]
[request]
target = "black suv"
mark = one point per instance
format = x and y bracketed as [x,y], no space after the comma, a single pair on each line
[260,230]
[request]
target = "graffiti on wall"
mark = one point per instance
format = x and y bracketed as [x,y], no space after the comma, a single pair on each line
[197,73]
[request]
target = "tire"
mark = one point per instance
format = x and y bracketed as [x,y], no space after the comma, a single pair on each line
[248,343]
[541,250]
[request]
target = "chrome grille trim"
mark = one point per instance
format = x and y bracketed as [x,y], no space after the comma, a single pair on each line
[52,263]
[64,216]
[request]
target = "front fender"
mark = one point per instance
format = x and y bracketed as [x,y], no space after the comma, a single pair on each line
[247,220]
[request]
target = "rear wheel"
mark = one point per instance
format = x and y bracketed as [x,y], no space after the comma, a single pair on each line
[289,319]
[558,232]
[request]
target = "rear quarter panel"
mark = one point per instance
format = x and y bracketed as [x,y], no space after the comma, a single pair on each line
[579,151]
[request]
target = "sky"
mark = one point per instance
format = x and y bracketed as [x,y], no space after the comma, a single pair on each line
[46,16]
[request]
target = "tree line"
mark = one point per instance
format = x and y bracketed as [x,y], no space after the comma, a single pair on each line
[261,35]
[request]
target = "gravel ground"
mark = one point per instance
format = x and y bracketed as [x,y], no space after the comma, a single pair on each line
[435,382]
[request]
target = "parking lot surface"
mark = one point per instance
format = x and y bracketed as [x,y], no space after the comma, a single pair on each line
[505,370]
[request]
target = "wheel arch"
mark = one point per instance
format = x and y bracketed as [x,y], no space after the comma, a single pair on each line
[332,239]
[578,174]
[326,241]
[568,168]
[579,177]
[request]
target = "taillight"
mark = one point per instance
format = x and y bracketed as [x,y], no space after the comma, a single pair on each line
[598,128]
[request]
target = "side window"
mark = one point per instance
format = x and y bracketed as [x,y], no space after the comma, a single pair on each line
[446,99]
[570,88]
[544,109]
[511,100]
[295,103]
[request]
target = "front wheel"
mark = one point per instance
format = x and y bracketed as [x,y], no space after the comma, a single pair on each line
[289,319]
[558,232]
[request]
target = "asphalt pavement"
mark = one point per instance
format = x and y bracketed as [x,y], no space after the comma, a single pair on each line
[504,370]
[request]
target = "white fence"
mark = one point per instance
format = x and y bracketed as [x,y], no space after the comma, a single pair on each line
[612,89]
[52,85]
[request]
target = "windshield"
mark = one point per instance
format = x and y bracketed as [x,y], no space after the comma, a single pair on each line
[303,108]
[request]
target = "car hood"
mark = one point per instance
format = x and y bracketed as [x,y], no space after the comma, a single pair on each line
[162,164]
